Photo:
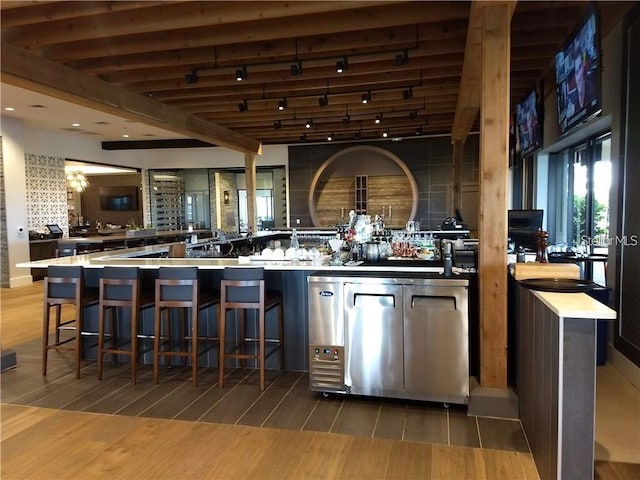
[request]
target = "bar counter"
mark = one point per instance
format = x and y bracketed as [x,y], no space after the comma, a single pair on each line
[288,276]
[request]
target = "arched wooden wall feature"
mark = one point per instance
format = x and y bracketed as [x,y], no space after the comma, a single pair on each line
[392,189]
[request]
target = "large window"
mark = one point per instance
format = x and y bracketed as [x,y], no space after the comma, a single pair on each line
[579,184]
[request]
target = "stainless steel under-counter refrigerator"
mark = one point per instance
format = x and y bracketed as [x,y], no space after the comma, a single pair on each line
[399,337]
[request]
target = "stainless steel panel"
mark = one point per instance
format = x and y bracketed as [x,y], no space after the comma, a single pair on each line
[373,338]
[436,353]
[326,307]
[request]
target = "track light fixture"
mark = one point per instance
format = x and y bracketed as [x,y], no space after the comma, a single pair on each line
[385,134]
[378,119]
[419,131]
[346,120]
[330,136]
[192,77]
[323,101]
[282,104]
[296,69]
[277,125]
[342,65]
[243,106]
[241,73]
[309,123]
[357,136]
[403,58]
[366,97]
[413,115]
[407,94]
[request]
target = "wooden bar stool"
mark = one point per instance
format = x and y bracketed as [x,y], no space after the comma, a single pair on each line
[178,288]
[64,285]
[243,289]
[120,288]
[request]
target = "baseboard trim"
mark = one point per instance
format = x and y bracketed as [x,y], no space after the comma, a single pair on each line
[493,402]
[626,367]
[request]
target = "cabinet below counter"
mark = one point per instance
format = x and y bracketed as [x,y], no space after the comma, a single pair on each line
[556,379]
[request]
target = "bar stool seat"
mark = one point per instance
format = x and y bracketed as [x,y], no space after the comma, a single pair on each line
[178,288]
[64,285]
[121,287]
[243,289]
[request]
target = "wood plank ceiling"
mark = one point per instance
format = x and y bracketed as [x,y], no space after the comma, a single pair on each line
[406,56]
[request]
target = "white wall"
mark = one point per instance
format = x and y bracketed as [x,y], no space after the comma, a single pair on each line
[19,139]
[13,135]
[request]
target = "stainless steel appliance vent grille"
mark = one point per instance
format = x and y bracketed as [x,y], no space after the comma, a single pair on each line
[326,369]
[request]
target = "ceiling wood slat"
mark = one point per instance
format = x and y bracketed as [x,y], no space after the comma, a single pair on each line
[26,70]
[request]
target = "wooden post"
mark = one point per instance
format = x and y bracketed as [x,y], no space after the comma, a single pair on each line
[250,173]
[494,164]
[458,149]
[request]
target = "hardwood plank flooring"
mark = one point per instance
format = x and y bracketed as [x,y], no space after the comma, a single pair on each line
[120,430]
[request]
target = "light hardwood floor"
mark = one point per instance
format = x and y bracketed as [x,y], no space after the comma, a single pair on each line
[39,443]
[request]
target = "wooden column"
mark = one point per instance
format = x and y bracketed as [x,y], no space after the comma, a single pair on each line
[458,149]
[494,164]
[250,173]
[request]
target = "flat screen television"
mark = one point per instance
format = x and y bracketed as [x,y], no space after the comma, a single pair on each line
[528,124]
[578,68]
[522,227]
[119,198]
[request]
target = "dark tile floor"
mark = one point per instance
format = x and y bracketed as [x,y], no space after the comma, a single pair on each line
[286,403]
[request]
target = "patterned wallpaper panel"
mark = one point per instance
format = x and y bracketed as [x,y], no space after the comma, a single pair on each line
[46,192]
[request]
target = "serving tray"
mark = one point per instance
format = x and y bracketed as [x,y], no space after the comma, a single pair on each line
[561,285]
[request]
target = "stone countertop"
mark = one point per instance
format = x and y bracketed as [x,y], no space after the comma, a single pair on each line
[575,305]
[137,257]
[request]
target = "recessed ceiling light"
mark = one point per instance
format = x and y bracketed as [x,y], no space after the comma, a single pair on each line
[124,135]
[10,109]
[75,124]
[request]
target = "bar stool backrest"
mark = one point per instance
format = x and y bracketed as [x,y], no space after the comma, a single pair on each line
[177,292]
[243,294]
[65,249]
[119,292]
[63,290]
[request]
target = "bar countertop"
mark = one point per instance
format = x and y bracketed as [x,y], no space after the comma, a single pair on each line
[141,257]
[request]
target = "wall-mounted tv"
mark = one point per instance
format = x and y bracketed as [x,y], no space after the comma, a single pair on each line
[578,68]
[528,123]
[119,198]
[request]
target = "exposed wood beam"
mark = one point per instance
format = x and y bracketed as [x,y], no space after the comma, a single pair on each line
[168,17]
[24,69]
[494,160]
[251,183]
[470,89]
[469,95]
[320,24]
[434,39]
[41,12]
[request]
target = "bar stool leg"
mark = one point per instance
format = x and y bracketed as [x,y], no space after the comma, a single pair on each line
[261,359]
[281,335]
[100,339]
[45,334]
[222,325]
[156,342]
[134,342]
[58,320]
[241,316]
[194,345]
[78,339]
